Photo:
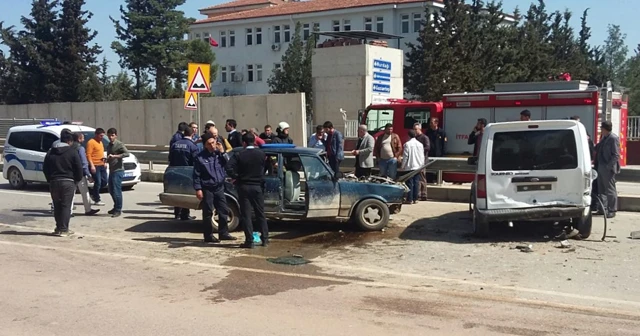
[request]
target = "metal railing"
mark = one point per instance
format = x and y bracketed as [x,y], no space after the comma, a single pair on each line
[633,128]
[350,128]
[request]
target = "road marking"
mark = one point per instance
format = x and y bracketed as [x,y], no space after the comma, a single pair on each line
[363,283]
[25,193]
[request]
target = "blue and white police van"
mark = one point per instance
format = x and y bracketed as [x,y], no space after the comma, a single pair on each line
[26,146]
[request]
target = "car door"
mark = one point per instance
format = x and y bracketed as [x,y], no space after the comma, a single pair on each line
[273,183]
[323,193]
[25,149]
[46,141]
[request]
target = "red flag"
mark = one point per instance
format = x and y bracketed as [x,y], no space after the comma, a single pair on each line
[213,42]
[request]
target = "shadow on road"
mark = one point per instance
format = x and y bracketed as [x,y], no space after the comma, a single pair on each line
[148,212]
[169,225]
[155,204]
[25,233]
[456,228]
[185,242]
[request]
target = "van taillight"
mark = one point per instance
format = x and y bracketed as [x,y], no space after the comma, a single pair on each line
[481,187]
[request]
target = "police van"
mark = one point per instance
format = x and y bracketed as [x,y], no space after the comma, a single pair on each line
[26,146]
[533,171]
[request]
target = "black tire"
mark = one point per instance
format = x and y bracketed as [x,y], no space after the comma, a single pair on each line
[16,180]
[584,225]
[371,215]
[233,219]
[480,225]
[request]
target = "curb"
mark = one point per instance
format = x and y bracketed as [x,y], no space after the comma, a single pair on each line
[446,193]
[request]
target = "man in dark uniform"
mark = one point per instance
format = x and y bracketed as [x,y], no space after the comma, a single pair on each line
[208,181]
[437,140]
[179,133]
[235,137]
[247,167]
[183,153]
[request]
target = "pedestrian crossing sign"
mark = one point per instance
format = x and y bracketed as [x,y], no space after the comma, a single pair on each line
[190,101]
[199,78]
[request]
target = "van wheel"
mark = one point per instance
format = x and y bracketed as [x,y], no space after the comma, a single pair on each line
[480,225]
[584,224]
[371,215]
[16,181]
[233,219]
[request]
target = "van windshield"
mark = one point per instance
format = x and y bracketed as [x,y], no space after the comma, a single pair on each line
[534,150]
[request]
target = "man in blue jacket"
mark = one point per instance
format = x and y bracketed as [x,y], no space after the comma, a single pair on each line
[208,181]
[83,186]
[183,153]
[179,133]
[334,146]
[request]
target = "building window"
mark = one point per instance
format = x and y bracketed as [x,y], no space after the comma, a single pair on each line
[287,33]
[346,25]
[380,24]
[232,73]
[417,22]
[277,66]
[197,36]
[368,24]
[223,39]
[249,73]
[258,36]
[232,38]
[306,31]
[249,36]
[336,25]
[316,26]
[205,37]
[223,74]
[404,24]
[276,34]
[258,72]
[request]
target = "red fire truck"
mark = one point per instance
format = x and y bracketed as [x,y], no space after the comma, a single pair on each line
[545,100]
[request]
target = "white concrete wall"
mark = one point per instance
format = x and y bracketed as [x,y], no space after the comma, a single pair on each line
[153,122]
[242,54]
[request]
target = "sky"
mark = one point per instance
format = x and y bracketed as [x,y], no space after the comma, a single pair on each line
[602,13]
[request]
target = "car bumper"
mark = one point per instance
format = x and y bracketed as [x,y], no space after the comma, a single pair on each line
[180,200]
[532,214]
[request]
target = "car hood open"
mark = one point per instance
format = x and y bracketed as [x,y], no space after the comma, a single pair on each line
[405,177]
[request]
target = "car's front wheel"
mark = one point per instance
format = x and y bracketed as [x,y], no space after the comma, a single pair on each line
[233,218]
[16,181]
[371,215]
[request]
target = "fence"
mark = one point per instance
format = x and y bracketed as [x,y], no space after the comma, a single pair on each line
[633,128]
[350,129]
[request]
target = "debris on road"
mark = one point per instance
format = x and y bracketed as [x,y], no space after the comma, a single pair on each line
[292,260]
[635,235]
[526,249]
[564,244]
[573,249]
[585,258]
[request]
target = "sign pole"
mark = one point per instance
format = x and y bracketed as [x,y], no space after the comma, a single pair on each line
[199,112]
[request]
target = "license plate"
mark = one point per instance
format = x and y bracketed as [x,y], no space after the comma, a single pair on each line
[535,187]
[128,174]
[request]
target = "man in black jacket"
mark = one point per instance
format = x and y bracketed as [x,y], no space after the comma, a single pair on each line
[62,168]
[183,153]
[235,138]
[247,167]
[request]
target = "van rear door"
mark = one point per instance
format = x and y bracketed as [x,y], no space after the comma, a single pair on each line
[530,165]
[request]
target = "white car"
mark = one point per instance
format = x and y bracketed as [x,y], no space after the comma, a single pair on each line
[533,171]
[26,147]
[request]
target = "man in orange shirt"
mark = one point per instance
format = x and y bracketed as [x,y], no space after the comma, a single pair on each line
[95,156]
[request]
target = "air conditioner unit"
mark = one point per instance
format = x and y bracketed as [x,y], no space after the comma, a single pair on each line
[275,47]
[237,77]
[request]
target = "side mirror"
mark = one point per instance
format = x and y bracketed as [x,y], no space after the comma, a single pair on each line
[472,161]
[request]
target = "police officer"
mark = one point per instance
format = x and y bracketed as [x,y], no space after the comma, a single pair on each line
[247,167]
[183,153]
[208,181]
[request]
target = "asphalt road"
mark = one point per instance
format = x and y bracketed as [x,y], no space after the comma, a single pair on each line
[145,274]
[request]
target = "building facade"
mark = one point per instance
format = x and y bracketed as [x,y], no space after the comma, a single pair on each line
[253,35]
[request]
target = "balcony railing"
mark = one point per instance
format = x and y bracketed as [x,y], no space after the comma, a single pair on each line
[633,128]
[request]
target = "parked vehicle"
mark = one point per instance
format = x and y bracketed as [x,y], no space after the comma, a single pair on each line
[533,171]
[300,185]
[26,147]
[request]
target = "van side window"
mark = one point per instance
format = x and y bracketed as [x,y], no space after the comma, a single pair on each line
[47,140]
[534,150]
[416,115]
[376,119]
[26,140]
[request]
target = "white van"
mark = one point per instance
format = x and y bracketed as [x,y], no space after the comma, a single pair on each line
[26,147]
[533,171]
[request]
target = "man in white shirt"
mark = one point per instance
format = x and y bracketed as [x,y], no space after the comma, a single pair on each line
[318,139]
[413,159]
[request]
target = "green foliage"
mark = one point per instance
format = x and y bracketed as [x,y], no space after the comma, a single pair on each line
[295,74]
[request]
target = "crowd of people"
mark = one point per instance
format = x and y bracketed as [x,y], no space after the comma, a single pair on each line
[68,167]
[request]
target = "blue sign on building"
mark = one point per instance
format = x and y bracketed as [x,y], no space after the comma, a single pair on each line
[380,64]
[381,81]
[382,88]
[382,76]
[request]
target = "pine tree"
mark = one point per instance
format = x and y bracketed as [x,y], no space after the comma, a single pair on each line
[295,74]
[632,82]
[77,57]
[535,54]
[615,53]
[197,51]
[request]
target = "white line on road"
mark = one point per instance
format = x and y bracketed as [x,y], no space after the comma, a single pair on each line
[25,193]
[541,303]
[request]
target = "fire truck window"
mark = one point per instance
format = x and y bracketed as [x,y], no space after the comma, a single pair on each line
[414,115]
[376,119]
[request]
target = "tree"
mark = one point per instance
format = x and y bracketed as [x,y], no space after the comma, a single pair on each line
[152,36]
[632,82]
[535,54]
[77,57]
[197,51]
[615,53]
[295,74]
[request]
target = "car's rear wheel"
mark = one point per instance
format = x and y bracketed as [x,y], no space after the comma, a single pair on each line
[584,224]
[233,218]
[480,225]
[371,215]
[16,181]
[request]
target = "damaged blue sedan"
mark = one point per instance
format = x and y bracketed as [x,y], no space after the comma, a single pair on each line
[300,185]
